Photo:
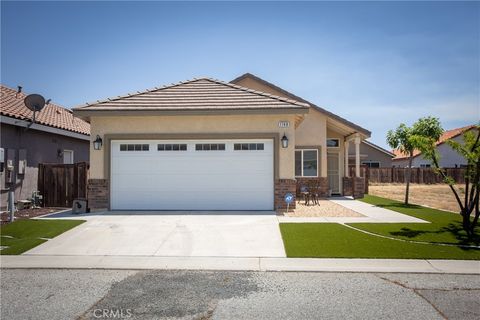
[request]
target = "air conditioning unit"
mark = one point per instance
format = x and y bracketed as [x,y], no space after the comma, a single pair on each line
[79,206]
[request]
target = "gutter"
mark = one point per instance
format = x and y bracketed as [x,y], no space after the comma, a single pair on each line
[41,127]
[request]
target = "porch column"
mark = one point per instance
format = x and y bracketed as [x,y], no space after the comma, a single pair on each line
[357,157]
[347,171]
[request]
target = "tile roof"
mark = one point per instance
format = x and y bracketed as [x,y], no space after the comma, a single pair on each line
[297,98]
[52,115]
[197,94]
[447,135]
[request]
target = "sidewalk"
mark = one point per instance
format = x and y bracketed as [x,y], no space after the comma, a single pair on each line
[242,264]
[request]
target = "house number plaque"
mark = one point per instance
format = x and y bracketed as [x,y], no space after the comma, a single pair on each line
[284,124]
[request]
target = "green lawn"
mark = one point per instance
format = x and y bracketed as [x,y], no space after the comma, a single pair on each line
[26,233]
[331,240]
[445,227]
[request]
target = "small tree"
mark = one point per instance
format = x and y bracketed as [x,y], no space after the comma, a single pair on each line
[470,150]
[408,139]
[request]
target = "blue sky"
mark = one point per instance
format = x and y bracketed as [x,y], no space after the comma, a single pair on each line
[374,63]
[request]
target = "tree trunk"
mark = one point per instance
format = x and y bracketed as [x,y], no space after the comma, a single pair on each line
[407,177]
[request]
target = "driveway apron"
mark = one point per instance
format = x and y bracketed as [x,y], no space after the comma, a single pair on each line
[208,234]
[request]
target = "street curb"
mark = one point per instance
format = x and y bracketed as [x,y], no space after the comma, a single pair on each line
[241,264]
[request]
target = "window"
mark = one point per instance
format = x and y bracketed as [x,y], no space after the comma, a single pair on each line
[134,147]
[306,163]
[210,147]
[371,164]
[172,147]
[248,146]
[67,156]
[333,143]
[425,166]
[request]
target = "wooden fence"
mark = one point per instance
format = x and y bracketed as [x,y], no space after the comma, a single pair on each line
[418,175]
[60,184]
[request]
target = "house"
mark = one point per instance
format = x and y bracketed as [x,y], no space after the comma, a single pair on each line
[56,136]
[372,156]
[206,144]
[449,158]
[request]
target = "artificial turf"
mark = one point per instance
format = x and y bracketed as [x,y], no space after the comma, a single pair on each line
[331,240]
[444,227]
[23,235]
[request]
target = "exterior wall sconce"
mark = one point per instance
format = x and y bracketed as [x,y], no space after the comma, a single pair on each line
[97,144]
[284,141]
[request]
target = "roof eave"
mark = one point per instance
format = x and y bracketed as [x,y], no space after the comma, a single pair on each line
[87,113]
[364,131]
[373,145]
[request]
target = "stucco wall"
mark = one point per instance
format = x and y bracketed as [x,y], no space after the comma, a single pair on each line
[41,147]
[367,153]
[229,124]
[313,132]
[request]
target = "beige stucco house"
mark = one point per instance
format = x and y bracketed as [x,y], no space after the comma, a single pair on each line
[205,144]
[372,155]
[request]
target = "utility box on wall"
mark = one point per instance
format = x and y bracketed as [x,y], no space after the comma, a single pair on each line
[2,160]
[10,167]
[22,161]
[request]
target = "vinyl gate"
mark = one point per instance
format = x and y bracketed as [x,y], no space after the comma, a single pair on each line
[60,184]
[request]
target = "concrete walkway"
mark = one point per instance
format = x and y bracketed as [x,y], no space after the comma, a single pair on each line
[249,264]
[372,214]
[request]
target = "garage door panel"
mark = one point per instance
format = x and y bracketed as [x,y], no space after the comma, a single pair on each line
[191,179]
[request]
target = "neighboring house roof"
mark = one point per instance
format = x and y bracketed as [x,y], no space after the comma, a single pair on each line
[297,98]
[368,143]
[447,135]
[202,94]
[51,115]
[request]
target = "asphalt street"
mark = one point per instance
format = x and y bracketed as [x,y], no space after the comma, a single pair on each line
[122,294]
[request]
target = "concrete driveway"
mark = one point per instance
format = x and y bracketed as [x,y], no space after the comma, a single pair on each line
[129,233]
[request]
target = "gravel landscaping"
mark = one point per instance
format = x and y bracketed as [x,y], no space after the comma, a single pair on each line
[325,208]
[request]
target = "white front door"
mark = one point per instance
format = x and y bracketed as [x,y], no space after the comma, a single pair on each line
[192,174]
[333,172]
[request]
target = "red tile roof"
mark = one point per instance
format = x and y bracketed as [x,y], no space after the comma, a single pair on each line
[52,115]
[447,135]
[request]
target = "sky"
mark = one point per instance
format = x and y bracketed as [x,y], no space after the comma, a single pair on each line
[377,64]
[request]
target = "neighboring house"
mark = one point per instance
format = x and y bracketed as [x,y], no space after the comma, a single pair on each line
[55,137]
[205,144]
[372,155]
[449,158]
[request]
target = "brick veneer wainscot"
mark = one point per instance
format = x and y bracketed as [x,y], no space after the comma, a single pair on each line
[354,186]
[282,187]
[321,181]
[358,188]
[347,186]
[98,193]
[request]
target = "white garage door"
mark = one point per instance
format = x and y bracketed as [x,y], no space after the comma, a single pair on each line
[192,175]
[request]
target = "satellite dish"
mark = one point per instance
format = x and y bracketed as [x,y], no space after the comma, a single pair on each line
[34,102]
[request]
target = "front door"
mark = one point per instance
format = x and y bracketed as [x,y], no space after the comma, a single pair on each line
[333,172]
